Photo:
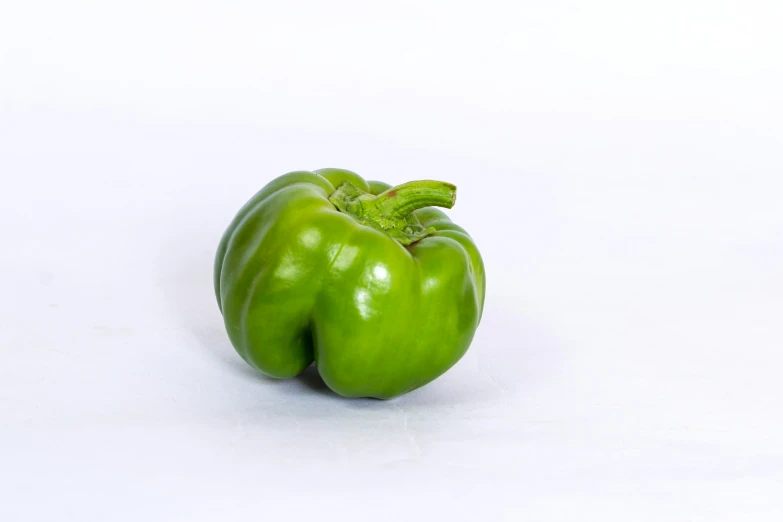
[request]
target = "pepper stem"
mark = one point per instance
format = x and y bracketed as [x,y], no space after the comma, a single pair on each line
[399,201]
[392,210]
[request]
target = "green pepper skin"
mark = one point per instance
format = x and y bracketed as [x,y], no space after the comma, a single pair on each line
[299,281]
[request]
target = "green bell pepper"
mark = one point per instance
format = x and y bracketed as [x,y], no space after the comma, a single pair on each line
[372,283]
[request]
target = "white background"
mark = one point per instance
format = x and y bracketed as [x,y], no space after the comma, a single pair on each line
[619,165]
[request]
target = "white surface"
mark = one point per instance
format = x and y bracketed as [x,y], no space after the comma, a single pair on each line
[619,166]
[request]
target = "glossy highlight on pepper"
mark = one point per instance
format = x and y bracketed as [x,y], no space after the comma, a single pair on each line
[370,282]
